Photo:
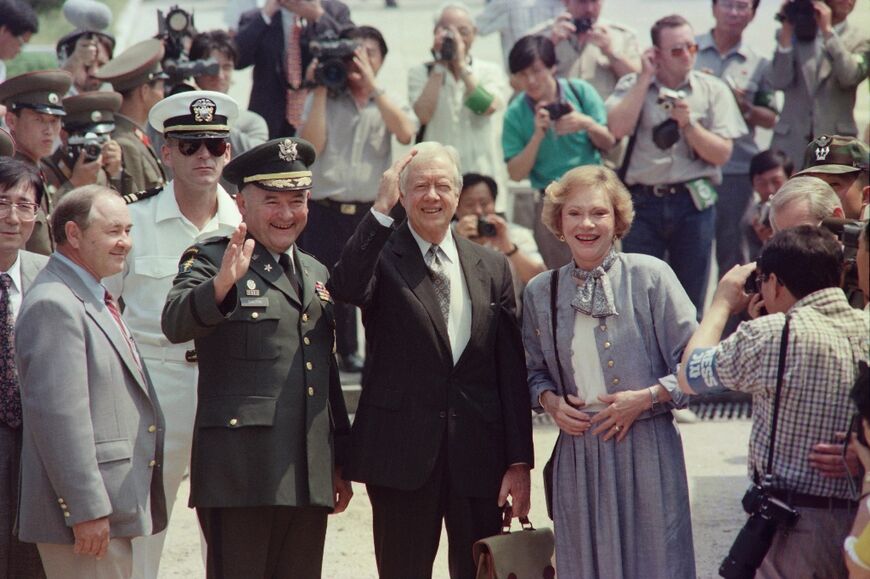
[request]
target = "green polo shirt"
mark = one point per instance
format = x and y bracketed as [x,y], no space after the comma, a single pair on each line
[557,154]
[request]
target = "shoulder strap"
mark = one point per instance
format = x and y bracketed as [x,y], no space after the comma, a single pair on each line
[780,371]
[421,133]
[554,294]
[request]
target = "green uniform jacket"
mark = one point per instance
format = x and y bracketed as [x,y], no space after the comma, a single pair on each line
[269,398]
[40,240]
[140,161]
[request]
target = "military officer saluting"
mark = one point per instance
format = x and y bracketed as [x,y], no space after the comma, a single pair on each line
[88,155]
[33,112]
[166,221]
[136,74]
[271,422]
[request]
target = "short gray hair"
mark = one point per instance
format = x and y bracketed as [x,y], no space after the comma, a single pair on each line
[76,206]
[821,199]
[428,150]
[456,5]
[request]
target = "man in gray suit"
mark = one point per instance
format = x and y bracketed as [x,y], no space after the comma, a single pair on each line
[21,192]
[93,431]
[819,78]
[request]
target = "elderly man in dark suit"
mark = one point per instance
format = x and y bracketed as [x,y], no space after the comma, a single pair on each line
[271,421]
[443,429]
[93,430]
[21,192]
[275,40]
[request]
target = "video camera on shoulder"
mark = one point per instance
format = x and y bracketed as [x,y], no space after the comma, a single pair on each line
[767,515]
[800,14]
[176,30]
[334,56]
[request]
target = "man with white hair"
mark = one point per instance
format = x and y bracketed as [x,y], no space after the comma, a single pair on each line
[803,201]
[443,428]
[456,97]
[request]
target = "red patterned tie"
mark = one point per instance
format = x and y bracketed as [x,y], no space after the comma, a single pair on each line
[122,327]
[295,98]
[10,395]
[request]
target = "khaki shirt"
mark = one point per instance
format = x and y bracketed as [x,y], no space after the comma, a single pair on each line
[586,61]
[713,107]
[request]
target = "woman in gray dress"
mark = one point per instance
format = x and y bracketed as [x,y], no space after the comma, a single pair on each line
[620,496]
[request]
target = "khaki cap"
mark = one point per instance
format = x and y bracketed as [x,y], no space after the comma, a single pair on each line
[40,90]
[92,111]
[138,65]
[836,155]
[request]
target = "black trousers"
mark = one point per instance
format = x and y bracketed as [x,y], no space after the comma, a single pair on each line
[324,237]
[17,560]
[407,527]
[264,542]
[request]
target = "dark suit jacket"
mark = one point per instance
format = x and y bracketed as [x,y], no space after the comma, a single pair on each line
[414,399]
[269,397]
[263,46]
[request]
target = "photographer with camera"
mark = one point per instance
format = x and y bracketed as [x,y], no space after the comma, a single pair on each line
[275,40]
[842,163]
[799,362]
[82,54]
[18,22]
[768,171]
[350,129]
[683,123]
[551,127]
[87,154]
[818,64]
[456,95]
[477,220]
[590,47]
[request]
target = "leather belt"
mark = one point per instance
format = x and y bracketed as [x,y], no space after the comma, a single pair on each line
[662,190]
[800,500]
[344,208]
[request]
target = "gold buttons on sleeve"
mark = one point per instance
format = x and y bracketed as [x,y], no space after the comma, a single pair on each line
[610,363]
[234,421]
[615,381]
[66,514]
[152,463]
[152,429]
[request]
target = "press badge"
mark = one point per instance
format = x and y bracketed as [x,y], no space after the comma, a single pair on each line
[254,302]
[703,194]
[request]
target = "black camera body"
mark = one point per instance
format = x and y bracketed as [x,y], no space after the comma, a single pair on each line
[767,515]
[848,231]
[174,28]
[448,48]
[485,228]
[334,56]
[583,25]
[800,14]
[558,110]
[89,144]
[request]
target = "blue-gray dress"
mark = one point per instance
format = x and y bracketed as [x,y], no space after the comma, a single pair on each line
[621,510]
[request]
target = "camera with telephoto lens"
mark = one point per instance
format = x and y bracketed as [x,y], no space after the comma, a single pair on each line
[583,25]
[801,15]
[767,515]
[485,228]
[848,231]
[448,48]
[558,110]
[334,56]
[176,29]
[88,144]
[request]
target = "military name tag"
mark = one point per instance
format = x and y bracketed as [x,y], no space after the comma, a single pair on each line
[254,302]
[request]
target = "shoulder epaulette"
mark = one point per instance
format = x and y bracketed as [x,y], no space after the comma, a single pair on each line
[139,196]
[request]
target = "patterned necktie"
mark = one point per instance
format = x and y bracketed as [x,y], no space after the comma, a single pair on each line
[295,95]
[122,327]
[10,395]
[440,281]
[290,272]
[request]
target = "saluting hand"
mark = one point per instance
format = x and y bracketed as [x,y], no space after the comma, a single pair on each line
[235,263]
[388,190]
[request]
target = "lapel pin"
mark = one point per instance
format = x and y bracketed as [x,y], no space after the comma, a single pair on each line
[268,267]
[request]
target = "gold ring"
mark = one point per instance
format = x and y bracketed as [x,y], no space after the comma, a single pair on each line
[618,428]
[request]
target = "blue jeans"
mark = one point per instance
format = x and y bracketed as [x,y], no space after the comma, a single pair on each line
[735,194]
[670,228]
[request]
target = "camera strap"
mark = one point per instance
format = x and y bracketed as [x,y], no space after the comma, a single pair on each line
[780,371]
[629,149]
[554,294]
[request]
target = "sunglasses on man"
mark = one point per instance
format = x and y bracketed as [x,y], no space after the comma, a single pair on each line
[215,146]
[678,50]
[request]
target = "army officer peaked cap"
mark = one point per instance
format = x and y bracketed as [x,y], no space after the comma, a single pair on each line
[195,114]
[277,165]
[91,111]
[40,90]
[138,65]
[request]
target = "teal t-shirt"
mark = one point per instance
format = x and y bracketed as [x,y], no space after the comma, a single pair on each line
[557,155]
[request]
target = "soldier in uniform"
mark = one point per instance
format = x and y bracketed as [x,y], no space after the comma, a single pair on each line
[7,144]
[136,74]
[842,162]
[89,122]
[271,422]
[34,108]
[166,221]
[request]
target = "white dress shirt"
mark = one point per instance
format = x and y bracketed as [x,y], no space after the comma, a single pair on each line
[15,290]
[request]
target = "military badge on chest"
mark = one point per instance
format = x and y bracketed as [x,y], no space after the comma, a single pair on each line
[322,292]
[251,288]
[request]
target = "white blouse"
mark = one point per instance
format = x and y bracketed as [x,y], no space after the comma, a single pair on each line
[588,374]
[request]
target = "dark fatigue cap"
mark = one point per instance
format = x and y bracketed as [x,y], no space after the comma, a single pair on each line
[195,114]
[67,44]
[7,144]
[277,165]
[40,90]
[835,155]
[138,65]
[91,112]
